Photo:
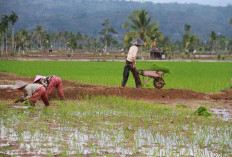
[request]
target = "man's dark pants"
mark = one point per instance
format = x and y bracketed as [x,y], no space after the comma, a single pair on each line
[129,67]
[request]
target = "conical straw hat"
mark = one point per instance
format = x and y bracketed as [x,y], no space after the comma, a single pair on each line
[19,84]
[38,77]
[138,41]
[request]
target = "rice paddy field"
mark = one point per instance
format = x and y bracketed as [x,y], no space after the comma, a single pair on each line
[197,76]
[111,126]
[116,126]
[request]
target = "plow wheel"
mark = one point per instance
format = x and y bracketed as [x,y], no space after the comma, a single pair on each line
[159,82]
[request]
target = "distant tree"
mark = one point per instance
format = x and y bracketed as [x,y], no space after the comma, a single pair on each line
[187,28]
[231,23]
[21,40]
[13,18]
[3,30]
[142,23]
[186,37]
[190,41]
[38,36]
[107,32]
[213,38]
[223,43]
[60,39]
[72,42]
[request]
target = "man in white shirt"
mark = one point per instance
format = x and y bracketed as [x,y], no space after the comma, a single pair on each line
[130,63]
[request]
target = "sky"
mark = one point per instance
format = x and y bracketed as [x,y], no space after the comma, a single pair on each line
[203,2]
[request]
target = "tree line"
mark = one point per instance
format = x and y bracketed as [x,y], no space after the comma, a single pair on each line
[140,25]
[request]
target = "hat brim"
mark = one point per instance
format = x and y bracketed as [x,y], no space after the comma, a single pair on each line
[38,77]
[19,84]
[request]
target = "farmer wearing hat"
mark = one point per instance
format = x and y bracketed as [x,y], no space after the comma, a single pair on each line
[32,92]
[130,63]
[51,82]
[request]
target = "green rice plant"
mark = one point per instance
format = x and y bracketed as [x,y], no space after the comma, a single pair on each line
[197,76]
[181,106]
[202,111]
[121,121]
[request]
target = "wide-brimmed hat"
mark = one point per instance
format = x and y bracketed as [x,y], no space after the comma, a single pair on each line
[19,84]
[138,41]
[38,77]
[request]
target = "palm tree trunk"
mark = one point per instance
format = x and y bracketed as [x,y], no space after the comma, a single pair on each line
[2,47]
[13,38]
[6,44]
[105,50]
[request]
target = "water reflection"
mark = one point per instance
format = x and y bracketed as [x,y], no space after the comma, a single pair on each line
[75,140]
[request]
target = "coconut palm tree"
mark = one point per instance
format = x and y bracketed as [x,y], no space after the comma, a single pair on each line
[13,18]
[213,37]
[21,41]
[187,28]
[142,24]
[107,32]
[231,23]
[38,36]
[3,30]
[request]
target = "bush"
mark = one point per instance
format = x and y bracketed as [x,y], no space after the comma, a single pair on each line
[12,54]
[202,111]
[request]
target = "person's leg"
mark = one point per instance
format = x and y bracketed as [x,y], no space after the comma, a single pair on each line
[36,96]
[125,75]
[51,86]
[60,87]
[44,96]
[136,77]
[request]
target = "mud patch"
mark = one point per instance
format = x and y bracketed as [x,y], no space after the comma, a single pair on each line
[75,90]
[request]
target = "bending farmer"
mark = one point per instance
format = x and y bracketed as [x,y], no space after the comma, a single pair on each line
[51,82]
[130,63]
[32,92]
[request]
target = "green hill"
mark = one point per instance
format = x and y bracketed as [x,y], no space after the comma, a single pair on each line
[86,16]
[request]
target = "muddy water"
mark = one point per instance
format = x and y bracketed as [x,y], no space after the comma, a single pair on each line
[73,140]
[6,86]
[224,114]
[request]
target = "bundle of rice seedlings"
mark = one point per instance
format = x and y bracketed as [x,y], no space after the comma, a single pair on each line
[202,111]
[159,68]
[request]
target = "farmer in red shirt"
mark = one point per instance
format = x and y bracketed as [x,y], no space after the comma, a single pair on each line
[51,82]
[32,92]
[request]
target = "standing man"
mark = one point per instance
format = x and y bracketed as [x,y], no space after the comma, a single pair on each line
[130,63]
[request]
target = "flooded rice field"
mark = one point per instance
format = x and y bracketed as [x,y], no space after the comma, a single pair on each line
[104,126]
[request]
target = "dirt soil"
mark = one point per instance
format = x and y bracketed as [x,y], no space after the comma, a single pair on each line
[75,90]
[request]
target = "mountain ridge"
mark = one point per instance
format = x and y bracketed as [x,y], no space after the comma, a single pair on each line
[86,16]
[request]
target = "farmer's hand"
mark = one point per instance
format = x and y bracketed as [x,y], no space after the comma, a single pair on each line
[19,100]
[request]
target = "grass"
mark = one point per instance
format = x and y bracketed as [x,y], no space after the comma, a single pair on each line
[105,125]
[197,76]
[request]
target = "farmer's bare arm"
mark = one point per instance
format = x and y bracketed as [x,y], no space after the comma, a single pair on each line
[24,98]
[133,62]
